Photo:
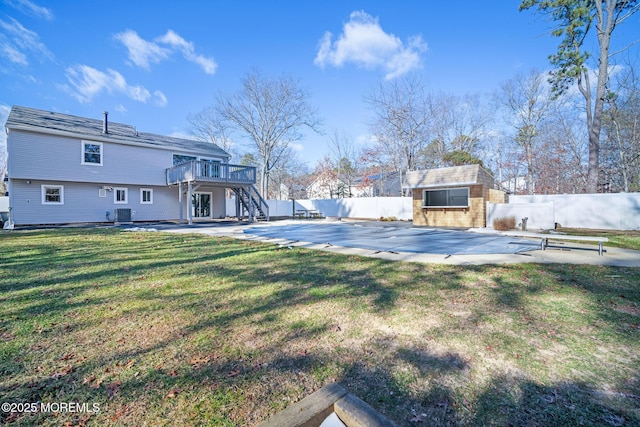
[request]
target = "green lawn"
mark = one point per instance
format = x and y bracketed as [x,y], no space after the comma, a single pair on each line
[164,329]
[629,239]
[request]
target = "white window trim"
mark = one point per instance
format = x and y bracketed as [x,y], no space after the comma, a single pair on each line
[82,144]
[43,192]
[142,190]
[115,195]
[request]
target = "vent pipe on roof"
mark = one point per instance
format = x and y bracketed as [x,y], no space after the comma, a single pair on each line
[105,122]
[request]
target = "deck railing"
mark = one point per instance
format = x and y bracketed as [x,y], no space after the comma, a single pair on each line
[214,172]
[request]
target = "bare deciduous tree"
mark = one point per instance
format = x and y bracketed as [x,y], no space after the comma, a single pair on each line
[209,125]
[344,157]
[526,101]
[575,19]
[401,123]
[622,127]
[458,124]
[271,113]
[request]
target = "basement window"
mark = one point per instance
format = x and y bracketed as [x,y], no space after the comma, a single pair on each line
[52,194]
[446,198]
[146,196]
[120,195]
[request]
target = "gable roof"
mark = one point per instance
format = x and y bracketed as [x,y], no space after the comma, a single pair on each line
[449,177]
[31,119]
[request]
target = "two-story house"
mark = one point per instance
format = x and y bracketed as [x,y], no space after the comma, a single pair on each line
[68,169]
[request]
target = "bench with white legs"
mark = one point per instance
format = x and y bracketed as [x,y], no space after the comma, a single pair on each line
[544,238]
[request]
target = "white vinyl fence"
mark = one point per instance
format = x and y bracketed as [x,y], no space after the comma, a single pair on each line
[538,215]
[616,211]
[361,207]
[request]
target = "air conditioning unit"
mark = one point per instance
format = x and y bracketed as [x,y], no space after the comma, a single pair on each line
[123,215]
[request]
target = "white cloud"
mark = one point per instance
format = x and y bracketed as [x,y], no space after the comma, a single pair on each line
[142,52]
[87,82]
[17,43]
[296,146]
[159,99]
[174,40]
[364,43]
[30,8]
[13,54]
[366,139]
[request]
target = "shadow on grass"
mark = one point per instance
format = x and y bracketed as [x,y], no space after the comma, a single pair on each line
[227,288]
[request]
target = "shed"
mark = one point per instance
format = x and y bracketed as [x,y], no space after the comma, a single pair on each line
[452,197]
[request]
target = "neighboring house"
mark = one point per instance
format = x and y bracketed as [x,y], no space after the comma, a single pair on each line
[516,185]
[384,184]
[452,197]
[324,185]
[69,169]
[327,185]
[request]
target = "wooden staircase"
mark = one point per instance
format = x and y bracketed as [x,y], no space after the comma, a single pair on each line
[251,204]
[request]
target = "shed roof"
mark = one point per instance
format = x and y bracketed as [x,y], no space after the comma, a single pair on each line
[448,177]
[25,118]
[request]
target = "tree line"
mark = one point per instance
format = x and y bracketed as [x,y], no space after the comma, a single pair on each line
[574,129]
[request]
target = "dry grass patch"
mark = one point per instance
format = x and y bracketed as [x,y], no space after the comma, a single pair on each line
[161,329]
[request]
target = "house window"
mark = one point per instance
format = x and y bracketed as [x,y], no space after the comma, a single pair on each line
[120,195]
[447,198]
[92,153]
[146,196]
[52,194]
[179,159]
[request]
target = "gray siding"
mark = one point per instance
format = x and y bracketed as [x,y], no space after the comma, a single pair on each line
[218,203]
[82,203]
[44,157]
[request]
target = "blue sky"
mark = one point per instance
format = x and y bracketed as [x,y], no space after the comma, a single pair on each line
[152,63]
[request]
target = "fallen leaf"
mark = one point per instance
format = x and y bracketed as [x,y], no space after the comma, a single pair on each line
[89,379]
[173,393]
[62,372]
[120,412]
[198,361]
[233,373]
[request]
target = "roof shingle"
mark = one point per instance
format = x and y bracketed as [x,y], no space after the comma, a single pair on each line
[31,118]
[451,176]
